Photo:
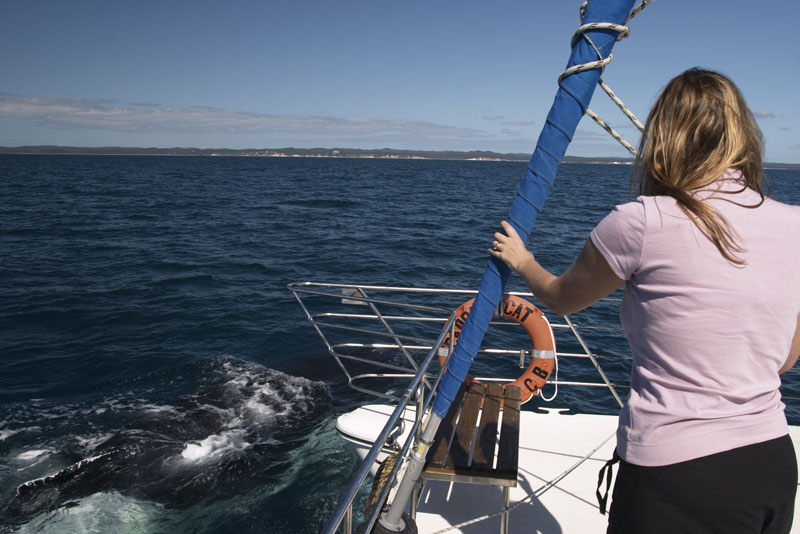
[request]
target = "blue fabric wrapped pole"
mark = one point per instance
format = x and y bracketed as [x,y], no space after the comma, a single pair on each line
[571,102]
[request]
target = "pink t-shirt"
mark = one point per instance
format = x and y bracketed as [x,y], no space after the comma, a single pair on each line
[707,336]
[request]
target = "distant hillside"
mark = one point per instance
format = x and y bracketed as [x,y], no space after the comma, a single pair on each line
[580,159]
[291,152]
[387,153]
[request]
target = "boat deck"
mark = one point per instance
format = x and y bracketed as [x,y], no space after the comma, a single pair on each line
[552,469]
[551,444]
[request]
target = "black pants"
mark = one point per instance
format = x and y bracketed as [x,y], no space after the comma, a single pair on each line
[746,490]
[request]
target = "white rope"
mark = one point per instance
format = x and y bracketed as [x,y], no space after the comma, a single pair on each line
[542,489]
[622,31]
[628,113]
[636,10]
[555,357]
[552,397]
[611,131]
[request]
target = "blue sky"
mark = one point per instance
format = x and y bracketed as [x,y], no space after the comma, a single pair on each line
[432,75]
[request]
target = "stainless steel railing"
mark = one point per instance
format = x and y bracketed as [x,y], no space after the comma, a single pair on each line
[404,322]
[344,510]
[392,322]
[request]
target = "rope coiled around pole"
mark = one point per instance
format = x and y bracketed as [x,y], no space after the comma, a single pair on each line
[623,32]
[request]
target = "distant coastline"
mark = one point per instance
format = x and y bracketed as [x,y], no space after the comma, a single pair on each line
[291,152]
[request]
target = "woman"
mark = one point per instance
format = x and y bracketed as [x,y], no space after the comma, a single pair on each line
[711,269]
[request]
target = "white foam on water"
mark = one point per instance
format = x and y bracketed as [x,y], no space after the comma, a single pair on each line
[31,458]
[91,443]
[155,408]
[32,455]
[215,446]
[261,410]
[100,512]
[5,434]
[292,396]
[126,401]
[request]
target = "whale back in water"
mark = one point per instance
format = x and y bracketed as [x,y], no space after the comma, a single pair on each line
[229,436]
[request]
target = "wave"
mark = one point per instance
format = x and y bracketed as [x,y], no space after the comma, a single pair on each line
[232,433]
[101,512]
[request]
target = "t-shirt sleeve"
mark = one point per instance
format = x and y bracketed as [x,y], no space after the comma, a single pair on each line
[620,238]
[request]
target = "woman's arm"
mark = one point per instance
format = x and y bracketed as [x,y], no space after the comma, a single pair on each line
[794,350]
[585,282]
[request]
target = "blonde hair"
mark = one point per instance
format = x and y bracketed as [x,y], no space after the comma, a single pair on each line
[699,126]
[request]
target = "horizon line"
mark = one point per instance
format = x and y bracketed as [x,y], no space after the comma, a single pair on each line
[303,152]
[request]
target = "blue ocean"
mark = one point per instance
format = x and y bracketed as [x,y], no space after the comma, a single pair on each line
[157,376]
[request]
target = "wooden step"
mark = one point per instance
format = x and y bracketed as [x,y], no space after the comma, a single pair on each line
[478,441]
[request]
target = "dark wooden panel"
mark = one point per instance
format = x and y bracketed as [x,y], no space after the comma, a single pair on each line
[449,455]
[441,441]
[483,457]
[461,445]
[508,451]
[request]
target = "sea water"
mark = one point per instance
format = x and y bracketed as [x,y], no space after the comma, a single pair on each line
[156,374]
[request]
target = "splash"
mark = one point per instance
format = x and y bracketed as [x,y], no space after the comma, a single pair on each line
[233,433]
[215,446]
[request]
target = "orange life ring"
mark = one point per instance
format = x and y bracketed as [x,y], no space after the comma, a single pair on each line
[535,323]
